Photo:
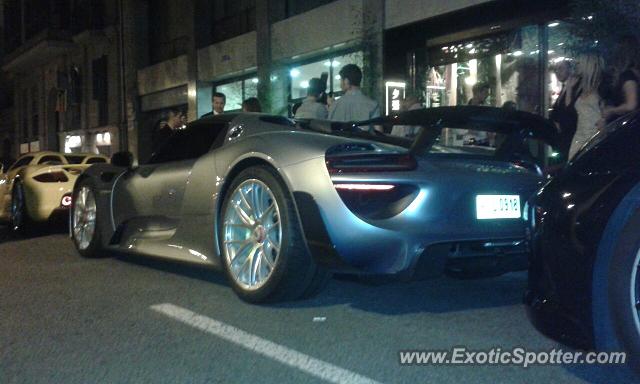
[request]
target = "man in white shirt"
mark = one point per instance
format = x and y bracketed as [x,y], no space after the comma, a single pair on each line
[311,108]
[410,103]
[353,105]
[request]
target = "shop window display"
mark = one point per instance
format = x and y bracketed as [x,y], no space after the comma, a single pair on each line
[503,71]
[300,75]
[233,93]
[237,91]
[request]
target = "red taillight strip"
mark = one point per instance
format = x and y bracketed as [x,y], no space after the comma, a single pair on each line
[365,187]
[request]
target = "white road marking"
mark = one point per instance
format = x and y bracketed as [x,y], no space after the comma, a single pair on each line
[284,355]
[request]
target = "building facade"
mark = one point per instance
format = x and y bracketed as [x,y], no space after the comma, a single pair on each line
[62,58]
[101,75]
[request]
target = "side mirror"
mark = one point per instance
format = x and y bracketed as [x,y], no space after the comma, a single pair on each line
[122,159]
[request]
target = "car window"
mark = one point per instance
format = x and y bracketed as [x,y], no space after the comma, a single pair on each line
[51,160]
[75,159]
[96,160]
[21,162]
[190,143]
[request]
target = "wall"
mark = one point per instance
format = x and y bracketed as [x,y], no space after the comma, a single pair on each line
[400,12]
[335,23]
[228,57]
[165,75]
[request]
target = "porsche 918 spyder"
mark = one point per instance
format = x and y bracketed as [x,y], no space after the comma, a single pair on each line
[278,204]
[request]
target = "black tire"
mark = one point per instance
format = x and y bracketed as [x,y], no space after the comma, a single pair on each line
[294,270]
[20,222]
[318,283]
[94,248]
[616,330]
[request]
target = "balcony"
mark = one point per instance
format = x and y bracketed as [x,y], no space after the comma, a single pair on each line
[45,46]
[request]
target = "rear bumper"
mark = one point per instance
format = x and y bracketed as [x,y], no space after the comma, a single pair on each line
[344,241]
[44,200]
[394,254]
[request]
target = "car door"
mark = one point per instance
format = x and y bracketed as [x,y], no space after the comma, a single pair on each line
[156,190]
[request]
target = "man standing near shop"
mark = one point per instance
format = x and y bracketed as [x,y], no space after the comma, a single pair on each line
[353,105]
[311,107]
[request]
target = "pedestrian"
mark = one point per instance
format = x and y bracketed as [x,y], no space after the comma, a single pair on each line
[563,112]
[353,105]
[171,121]
[251,104]
[589,70]
[479,98]
[311,107]
[411,102]
[480,93]
[218,101]
[625,94]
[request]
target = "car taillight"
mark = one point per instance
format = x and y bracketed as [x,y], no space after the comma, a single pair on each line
[66,201]
[363,187]
[52,177]
[376,201]
[370,163]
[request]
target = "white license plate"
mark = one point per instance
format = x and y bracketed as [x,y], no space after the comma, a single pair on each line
[497,207]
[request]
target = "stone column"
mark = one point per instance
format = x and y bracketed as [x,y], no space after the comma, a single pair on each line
[272,79]
[134,54]
[373,38]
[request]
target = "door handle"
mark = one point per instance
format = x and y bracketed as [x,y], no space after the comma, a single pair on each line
[235,131]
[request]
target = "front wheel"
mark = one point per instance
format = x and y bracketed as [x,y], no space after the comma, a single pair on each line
[85,230]
[616,295]
[263,249]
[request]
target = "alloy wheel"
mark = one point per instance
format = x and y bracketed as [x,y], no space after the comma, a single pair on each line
[252,234]
[84,217]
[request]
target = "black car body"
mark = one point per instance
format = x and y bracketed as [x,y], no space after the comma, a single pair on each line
[584,233]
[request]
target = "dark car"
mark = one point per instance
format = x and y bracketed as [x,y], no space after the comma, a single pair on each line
[584,279]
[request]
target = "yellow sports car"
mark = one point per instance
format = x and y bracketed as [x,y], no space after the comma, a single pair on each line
[39,185]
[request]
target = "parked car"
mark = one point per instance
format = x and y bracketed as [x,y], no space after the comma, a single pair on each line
[584,278]
[278,204]
[37,187]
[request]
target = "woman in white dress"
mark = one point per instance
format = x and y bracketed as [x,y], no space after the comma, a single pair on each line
[589,104]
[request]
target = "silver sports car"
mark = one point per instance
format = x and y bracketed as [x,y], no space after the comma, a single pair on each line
[280,204]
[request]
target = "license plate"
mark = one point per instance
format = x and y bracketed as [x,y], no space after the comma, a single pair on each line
[497,207]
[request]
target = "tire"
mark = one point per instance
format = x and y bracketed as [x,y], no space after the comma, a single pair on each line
[20,222]
[256,202]
[85,223]
[618,281]
[318,283]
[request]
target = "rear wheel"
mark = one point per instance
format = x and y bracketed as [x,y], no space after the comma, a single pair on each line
[20,222]
[263,250]
[84,220]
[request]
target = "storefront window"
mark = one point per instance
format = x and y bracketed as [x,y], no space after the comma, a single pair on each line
[502,69]
[301,75]
[238,91]
[499,71]
[233,92]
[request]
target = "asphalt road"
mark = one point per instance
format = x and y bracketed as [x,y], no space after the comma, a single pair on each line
[64,319]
